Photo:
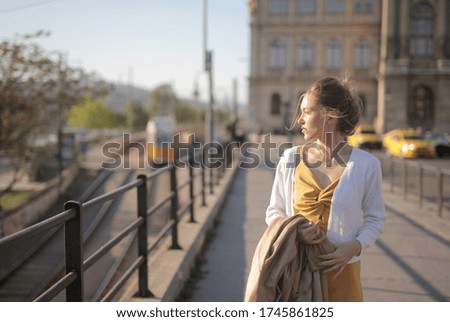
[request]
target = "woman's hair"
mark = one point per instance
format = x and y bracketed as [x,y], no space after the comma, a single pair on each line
[337,95]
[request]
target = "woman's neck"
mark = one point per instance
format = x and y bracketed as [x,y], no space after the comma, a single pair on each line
[329,144]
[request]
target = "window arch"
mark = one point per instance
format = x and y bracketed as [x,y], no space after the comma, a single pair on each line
[422,29]
[333,54]
[362,54]
[277,54]
[275,104]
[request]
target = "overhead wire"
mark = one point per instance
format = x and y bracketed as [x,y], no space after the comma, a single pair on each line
[26,6]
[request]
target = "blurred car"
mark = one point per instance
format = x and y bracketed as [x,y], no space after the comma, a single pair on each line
[441,143]
[407,143]
[365,137]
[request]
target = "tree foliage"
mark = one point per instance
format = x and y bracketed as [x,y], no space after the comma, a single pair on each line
[93,114]
[186,114]
[222,115]
[162,101]
[26,87]
[36,90]
[136,116]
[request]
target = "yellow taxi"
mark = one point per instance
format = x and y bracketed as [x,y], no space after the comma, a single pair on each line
[407,143]
[365,137]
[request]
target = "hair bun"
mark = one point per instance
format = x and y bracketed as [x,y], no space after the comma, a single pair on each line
[339,95]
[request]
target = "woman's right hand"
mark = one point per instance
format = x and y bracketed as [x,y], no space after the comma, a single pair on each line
[310,233]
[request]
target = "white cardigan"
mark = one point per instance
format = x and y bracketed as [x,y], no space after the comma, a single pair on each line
[357,207]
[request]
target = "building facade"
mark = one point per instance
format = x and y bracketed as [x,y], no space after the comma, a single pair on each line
[374,42]
[414,69]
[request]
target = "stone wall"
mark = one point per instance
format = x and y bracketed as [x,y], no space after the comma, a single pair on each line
[33,209]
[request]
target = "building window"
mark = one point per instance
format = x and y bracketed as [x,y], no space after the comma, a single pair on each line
[333,54]
[278,7]
[275,104]
[422,28]
[363,6]
[305,54]
[277,54]
[421,111]
[334,6]
[362,54]
[306,7]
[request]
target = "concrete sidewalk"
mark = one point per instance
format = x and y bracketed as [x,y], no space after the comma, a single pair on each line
[409,263]
[411,260]
[229,255]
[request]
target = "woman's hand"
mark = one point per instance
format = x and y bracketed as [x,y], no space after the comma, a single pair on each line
[340,257]
[310,233]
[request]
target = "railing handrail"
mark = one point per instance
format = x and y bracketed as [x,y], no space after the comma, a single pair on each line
[72,218]
[24,234]
[417,164]
[439,172]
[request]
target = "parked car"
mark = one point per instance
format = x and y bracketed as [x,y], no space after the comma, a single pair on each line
[407,143]
[441,143]
[365,137]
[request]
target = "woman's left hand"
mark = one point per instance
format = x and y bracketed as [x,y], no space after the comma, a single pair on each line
[340,257]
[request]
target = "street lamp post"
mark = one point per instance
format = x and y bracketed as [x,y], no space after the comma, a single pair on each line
[208,60]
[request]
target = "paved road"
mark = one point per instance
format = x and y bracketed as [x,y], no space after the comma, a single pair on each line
[409,263]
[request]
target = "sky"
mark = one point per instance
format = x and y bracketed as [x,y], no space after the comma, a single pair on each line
[143,42]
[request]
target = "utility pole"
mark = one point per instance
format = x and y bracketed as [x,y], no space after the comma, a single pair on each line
[61,84]
[130,99]
[235,99]
[208,60]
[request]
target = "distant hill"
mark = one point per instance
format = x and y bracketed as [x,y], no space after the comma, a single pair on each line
[117,98]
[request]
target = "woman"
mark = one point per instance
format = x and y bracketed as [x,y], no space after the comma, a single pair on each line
[335,186]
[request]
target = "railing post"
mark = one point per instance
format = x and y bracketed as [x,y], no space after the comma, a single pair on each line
[226,155]
[191,189]
[420,186]
[1,223]
[211,179]
[405,179]
[440,192]
[222,168]
[203,171]
[221,160]
[211,175]
[143,290]
[174,207]
[73,244]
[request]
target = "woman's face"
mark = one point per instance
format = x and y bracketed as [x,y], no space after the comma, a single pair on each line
[311,118]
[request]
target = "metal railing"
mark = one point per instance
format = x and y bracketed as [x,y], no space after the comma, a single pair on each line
[415,178]
[71,218]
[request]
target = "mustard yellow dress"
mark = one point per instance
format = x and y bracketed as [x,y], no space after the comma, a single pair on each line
[314,203]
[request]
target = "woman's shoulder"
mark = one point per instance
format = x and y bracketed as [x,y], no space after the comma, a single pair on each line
[289,157]
[290,152]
